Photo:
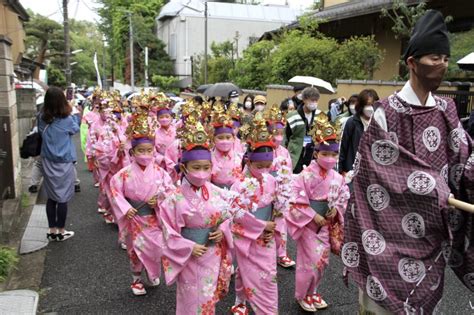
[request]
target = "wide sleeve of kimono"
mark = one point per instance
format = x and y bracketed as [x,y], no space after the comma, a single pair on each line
[226,226]
[117,185]
[178,250]
[246,228]
[300,213]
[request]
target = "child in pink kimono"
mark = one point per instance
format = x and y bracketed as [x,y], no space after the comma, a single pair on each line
[197,235]
[255,233]
[136,192]
[166,132]
[226,161]
[282,159]
[315,220]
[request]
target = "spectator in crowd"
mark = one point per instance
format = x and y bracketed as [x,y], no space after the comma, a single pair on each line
[287,106]
[298,97]
[260,102]
[355,127]
[348,110]
[300,143]
[248,104]
[58,154]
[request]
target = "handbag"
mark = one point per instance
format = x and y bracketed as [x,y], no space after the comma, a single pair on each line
[31,146]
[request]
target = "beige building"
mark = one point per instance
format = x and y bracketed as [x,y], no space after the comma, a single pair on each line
[342,19]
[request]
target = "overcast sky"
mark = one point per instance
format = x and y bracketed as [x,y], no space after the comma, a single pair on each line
[85,9]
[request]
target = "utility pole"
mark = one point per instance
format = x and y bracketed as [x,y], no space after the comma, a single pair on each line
[104,74]
[132,65]
[237,36]
[67,47]
[205,42]
[146,66]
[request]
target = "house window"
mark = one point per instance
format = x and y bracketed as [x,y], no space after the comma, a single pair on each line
[172,46]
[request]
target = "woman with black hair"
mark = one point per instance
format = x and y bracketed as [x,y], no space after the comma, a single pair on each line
[248,104]
[58,154]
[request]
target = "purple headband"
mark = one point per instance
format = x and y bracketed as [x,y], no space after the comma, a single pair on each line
[221,130]
[195,155]
[261,156]
[277,125]
[163,111]
[237,124]
[137,141]
[332,147]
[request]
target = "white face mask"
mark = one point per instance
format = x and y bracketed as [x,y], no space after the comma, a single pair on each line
[299,96]
[259,107]
[368,111]
[248,105]
[234,100]
[312,106]
[352,109]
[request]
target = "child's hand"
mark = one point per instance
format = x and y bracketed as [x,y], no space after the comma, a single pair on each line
[319,220]
[131,213]
[270,227]
[331,213]
[199,250]
[216,236]
[152,202]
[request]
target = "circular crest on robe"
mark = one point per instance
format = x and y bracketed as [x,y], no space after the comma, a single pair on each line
[455,219]
[431,138]
[470,162]
[375,289]
[385,152]
[356,165]
[455,138]
[411,270]
[395,103]
[413,225]
[444,173]
[378,197]
[350,254]
[469,280]
[421,183]
[455,174]
[373,242]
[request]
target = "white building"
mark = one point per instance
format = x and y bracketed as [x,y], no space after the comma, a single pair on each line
[180,25]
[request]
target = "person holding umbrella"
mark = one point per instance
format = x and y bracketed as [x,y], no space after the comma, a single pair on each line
[300,144]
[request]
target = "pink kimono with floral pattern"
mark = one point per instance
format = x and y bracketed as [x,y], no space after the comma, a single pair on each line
[201,281]
[256,276]
[282,157]
[226,167]
[164,138]
[143,234]
[314,243]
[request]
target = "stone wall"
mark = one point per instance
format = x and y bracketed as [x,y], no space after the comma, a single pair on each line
[9,143]
[26,110]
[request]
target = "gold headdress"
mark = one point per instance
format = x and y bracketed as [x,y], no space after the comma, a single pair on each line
[140,127]
[219,117]
[194,134]
[159,101]
[256,133]
[274,116]
[323,130]
[234,111]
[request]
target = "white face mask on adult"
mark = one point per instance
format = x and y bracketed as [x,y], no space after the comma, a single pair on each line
[259,107]
[368,111]
[234,100]
[312,106]
[352,109]
[248,105]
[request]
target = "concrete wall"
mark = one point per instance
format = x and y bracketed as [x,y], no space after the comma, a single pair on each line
[26,110]
[12,26]
[330,3]
[391,47]
[190,36]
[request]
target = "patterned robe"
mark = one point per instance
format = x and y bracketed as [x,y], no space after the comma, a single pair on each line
[201,281]
[256,276]
[226,167]
[143,234]
[401,232]
[313,243]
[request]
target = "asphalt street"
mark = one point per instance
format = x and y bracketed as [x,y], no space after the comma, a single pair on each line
[89,274]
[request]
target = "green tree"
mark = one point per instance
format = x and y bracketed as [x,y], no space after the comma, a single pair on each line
[461,45]
[114,24]
[165,83]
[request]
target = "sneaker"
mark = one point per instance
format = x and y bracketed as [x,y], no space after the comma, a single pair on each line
[33,189]
[240,309]
[109,219]
[96,185]
[123,246]
[155,283]
[307,304]
[77,188]
[64,236]
[318,302]
[138,288]
[51,236]
[286,262]
[101,210]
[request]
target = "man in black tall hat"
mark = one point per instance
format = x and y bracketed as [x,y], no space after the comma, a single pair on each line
[401,231]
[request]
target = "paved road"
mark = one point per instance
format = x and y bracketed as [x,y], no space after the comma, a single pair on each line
[89,274]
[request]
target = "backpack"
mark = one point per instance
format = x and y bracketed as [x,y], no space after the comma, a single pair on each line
[31,146]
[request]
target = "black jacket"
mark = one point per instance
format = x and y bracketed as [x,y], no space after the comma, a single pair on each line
[353,131]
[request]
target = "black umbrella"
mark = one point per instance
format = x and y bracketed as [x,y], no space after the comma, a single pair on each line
[203,88]
[222,89]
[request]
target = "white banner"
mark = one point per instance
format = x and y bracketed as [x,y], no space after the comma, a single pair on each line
[99,81]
